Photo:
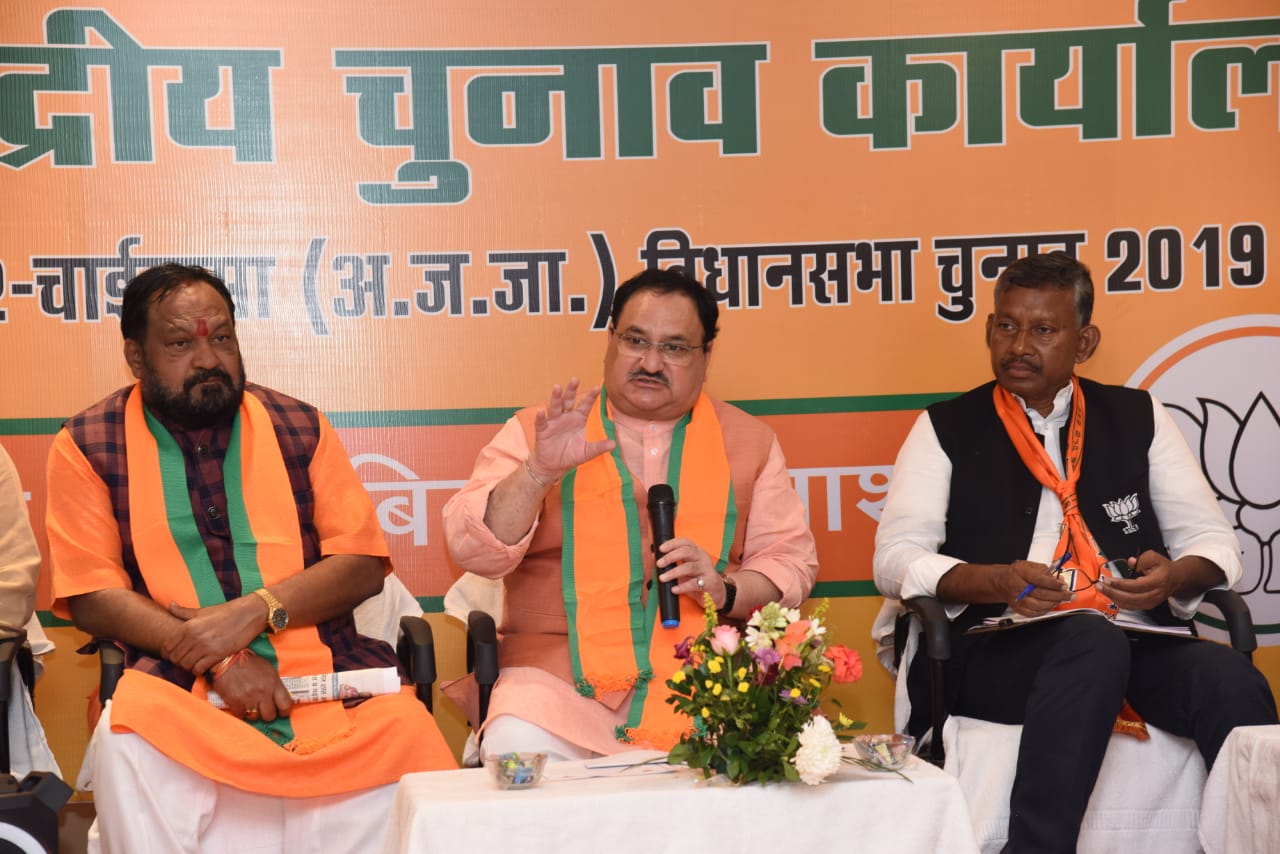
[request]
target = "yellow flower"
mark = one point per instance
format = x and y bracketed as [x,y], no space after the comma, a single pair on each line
[716,664]
[678,677]
[795,692]
[708,683]
[742,673]
[825,668]
[706,713]
[844,720]
[717,689]
[815,683]
[744,687]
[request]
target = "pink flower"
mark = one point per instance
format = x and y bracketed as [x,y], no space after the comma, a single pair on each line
[725,640]
[846,662]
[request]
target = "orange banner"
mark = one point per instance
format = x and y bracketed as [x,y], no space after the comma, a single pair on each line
[423,211]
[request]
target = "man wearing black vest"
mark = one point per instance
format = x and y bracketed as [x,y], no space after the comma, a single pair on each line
[1009,499]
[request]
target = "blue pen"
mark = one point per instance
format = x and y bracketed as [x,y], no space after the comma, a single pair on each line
[1057,565]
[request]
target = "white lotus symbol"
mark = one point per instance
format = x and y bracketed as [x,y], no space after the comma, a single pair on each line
[1241,459]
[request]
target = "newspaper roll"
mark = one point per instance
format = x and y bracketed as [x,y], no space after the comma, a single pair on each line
[348,685]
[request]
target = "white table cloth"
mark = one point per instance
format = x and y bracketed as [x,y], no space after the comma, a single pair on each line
[453,811]
[1240,813]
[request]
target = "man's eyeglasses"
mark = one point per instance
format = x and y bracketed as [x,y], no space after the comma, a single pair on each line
[1078,580]
[672,354]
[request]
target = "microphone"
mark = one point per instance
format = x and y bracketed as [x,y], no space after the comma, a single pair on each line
[662,519]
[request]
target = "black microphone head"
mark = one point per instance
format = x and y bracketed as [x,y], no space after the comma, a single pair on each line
[661,493]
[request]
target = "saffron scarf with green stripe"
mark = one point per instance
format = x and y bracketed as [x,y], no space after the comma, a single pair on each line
[266,539]
[616,642]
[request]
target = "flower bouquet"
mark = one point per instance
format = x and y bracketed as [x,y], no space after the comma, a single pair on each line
[753,699]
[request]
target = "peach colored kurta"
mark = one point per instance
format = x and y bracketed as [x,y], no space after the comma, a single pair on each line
[772,538]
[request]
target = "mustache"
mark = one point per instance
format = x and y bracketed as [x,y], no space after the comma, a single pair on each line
[206,374]
[641,372]
[1018,360]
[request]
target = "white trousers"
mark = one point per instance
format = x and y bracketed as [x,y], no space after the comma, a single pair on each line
[509,734]
[147,802]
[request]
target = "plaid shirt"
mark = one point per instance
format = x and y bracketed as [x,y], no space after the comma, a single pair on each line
[99,433]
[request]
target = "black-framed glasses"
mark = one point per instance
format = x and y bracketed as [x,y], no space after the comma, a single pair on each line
[671,353]
[1073,576]
[1118,568]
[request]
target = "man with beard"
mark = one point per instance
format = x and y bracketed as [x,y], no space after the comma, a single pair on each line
[556,509]
[1003,504]
[217,531]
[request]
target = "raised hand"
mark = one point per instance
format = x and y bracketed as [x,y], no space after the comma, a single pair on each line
[560,433]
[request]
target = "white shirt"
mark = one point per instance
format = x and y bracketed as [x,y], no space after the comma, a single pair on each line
[913,522]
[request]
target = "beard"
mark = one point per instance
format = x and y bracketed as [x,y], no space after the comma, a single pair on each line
[196,406]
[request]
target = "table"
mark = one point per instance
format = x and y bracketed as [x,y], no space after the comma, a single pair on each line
[456,811]
[1241,807]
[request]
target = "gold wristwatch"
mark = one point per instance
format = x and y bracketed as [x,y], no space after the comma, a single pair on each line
[277,616]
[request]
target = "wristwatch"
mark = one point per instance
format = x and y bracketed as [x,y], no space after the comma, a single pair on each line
[730,596]
[277,616]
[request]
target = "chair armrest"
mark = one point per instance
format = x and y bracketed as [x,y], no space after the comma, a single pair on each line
[1239,620]
[937,628]
[110,668]
[482,658]
[937,648]
[417,651]
[8,654]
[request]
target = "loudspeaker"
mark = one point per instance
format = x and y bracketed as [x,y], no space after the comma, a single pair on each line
[29,812]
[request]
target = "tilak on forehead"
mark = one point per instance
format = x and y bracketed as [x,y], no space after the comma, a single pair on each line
[202,328]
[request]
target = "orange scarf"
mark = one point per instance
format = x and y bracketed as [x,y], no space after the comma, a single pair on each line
[1077,551]
[325,752]
[616,642]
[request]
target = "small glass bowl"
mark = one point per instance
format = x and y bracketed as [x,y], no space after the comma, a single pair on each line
[516,770]
[888,750]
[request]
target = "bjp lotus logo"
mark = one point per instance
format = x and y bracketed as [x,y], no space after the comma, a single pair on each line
[1219,384]
[1238,454]
[1123,510]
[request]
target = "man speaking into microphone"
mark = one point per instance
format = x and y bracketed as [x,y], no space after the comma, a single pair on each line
[556,508]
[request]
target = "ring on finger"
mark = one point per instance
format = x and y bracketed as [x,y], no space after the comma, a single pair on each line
[702,585]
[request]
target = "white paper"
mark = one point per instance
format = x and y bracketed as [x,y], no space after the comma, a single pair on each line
[1010,621]
[349,684]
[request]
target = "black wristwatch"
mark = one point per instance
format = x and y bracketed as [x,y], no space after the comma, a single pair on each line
[730,596]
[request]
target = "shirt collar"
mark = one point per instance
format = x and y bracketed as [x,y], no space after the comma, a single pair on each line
[1057,416]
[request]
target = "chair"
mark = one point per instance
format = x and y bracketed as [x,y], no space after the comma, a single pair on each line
[13,651]
[23,746]
[392,615]
[31,792]
[1148,794]
[477,603]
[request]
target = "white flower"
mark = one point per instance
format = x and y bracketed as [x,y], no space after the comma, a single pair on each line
[758,640]
[819,755]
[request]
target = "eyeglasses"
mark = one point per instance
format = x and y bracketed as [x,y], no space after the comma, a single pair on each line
[1118,568]
[671,353]
[1073,575]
